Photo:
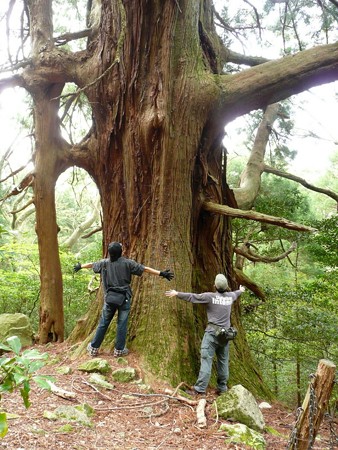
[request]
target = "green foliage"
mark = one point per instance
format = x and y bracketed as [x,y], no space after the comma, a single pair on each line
[75,294]
[295,326]
[19,279]
[18,371]
[323,244]
[20,282]
[282,198]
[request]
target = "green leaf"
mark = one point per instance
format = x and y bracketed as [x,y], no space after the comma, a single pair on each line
[3,424]
[15,344]
[7,385]
[19,378]
[35,365]
[5,348]
[43,381]
[5,363]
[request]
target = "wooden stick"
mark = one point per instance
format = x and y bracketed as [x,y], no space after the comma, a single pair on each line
[201,419]
[180,398]
[60,392]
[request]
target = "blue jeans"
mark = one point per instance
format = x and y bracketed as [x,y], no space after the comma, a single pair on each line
[209,347]
[107,315]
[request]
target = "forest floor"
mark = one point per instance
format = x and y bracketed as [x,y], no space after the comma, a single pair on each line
[127,417]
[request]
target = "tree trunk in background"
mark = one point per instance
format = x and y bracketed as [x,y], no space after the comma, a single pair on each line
[48,166]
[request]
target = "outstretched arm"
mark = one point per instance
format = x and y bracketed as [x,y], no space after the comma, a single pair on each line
[162,273]
[80,266]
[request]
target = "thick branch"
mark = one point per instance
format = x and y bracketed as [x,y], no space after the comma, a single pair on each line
[25,183]
[92,216]
[67,37]
[254,257]
[256,216]
[239,58]
[244,280]
[301,181]
[250,182]
[10,82]
[276,80]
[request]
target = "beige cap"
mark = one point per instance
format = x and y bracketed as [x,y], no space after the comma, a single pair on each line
[221,282]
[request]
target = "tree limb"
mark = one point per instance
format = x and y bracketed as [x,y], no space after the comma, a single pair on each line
[239,58]
[276,80]
[91,217]
[66,37]
[245,251]
[301,181]
[25,183]
[30,202]
[249,284]
[251,177]
[256,216]
[95,230]
[15,172]
[15,80]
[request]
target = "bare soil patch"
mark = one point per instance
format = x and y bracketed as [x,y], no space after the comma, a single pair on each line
[127,417]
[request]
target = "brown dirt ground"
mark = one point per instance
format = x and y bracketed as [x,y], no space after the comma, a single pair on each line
[122,420]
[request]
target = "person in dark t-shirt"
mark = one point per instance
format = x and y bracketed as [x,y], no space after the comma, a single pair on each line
[116,273]
[218,306]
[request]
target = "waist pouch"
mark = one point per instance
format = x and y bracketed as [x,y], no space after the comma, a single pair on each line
[224,334]
[115,296]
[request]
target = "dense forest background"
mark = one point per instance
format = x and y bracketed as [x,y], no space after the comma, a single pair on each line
[290,314]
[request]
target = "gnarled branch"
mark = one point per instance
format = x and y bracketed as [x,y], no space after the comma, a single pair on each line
[301,181]
[245,251]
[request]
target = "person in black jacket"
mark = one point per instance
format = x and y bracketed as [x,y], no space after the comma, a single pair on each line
[116,272]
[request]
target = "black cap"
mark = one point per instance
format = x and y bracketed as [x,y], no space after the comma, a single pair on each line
[115,250]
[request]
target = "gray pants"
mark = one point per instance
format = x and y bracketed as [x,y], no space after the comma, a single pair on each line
[209,347]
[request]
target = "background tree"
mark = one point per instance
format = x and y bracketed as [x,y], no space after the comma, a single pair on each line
[152,72]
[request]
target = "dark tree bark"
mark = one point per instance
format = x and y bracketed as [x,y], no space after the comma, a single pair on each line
[152,74]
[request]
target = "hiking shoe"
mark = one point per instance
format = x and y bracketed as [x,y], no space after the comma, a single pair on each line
[118,353]
[92,350]
[221,391]
[194,393]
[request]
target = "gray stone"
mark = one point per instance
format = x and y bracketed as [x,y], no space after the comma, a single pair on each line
[240,405]
[16,325]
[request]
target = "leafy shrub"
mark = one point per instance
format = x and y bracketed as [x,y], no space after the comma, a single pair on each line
[18,371]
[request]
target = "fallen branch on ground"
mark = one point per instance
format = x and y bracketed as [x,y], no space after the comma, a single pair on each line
[201,419]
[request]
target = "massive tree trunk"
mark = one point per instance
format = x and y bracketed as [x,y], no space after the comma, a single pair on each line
[152,74]
[160,157]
